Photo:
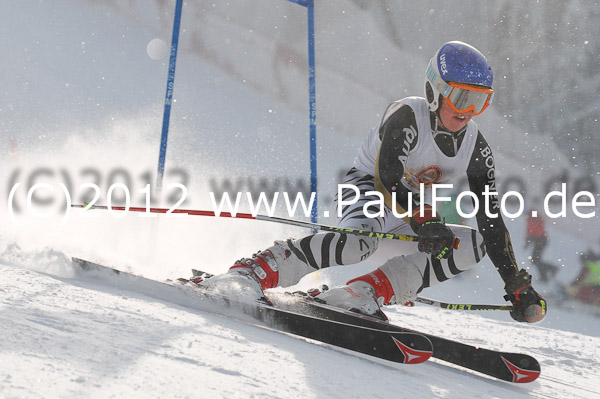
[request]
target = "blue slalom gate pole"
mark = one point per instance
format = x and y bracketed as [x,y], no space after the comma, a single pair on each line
[169,95]
[312,99]
[309,4]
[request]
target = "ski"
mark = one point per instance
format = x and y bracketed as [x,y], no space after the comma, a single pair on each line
[507,366]
[407,347]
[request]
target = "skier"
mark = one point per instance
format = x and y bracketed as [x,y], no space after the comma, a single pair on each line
[419,140]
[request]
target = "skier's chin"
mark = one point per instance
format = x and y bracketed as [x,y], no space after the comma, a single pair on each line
[456,124]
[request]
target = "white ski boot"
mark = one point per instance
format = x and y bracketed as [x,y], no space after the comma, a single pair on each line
[358,297]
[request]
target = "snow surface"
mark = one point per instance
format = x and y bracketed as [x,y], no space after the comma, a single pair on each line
[86,96]
[67,336]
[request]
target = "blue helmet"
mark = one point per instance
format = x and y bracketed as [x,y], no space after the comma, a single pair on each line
[459,63]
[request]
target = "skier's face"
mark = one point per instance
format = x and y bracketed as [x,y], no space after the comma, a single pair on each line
[452,120]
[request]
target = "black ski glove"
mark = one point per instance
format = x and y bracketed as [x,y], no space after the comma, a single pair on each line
[435,237]
[528,305]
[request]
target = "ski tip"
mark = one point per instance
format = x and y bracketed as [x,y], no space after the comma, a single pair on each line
[522,375]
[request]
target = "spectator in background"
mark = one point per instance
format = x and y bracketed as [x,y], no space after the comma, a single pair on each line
[448,211]
[586,287]
[537,237]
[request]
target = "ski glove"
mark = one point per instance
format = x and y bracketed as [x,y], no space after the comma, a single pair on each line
[528,305]
[435,237]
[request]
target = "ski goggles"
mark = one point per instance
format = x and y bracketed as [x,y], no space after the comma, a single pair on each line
[460,96]
[465,98]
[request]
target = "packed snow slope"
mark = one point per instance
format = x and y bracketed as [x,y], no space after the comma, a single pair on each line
[85,86]
[66,336]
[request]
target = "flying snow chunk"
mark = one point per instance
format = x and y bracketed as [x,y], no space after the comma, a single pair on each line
[157,49]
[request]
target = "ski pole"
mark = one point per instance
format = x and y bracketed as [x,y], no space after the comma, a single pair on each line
[298,223]
[462,306]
